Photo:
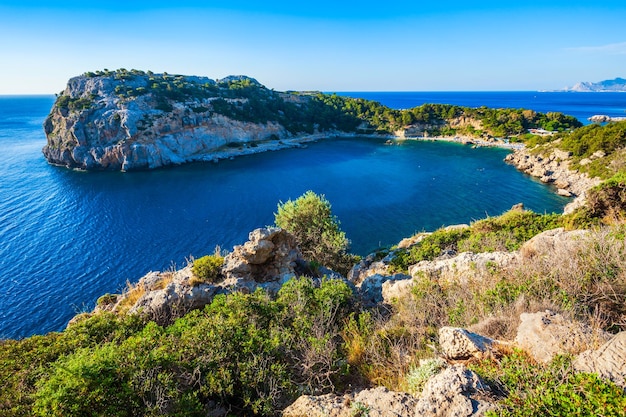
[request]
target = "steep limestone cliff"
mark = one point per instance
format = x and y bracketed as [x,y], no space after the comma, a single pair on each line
[129,120]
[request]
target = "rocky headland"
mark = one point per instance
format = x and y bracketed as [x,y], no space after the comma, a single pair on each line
[132,120]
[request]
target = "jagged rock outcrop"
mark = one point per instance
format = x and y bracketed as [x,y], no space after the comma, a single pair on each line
[133,120]
[547,334]
[270,256]
[554,169]
[269,259]
[608,361]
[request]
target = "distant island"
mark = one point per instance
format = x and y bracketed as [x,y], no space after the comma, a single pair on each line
[615,85]
[132,120]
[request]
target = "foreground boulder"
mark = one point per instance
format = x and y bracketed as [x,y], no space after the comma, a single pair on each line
[457,344]
[547,334]
[608,361]
[456,391]
[377,402]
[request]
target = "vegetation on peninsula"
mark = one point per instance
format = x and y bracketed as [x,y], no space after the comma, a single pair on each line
[245,99]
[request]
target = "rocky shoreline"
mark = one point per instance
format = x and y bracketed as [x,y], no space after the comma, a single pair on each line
[555,169]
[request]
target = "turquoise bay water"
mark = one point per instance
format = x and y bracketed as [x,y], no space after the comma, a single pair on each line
[68,237]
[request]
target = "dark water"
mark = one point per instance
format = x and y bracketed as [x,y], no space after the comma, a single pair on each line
[67,237]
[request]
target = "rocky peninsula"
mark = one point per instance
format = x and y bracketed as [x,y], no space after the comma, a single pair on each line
[132,120]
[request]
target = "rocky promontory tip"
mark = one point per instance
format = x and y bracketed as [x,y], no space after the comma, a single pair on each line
[129,120]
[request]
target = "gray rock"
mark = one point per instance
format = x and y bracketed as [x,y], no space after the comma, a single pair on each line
[371,289]
[462,267]
[456,391]
[554,240]
[456,343]
[609,361]
[376,402]
[547,334]
[271,254]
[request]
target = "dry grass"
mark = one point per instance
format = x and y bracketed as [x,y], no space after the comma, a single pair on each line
[130,296]
[584,279]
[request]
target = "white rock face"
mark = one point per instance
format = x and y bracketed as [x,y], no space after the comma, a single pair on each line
[609,361]
[547,334]
[113,131]
[462,267]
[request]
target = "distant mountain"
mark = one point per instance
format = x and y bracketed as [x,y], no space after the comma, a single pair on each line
[618,84]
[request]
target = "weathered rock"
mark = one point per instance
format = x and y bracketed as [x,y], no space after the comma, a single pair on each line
[384,403]
[456,343]
[271,254]
[330,405]
[609,361]
[553,240]
[267,260]
[377,402]
[546,334]
[371,289]
[395,290]
[366,268]
[563,192]
[456,391]
[462,267]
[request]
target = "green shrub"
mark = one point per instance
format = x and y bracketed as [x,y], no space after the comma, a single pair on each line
[207,269]
[534,390]
[608,200]
[310,220]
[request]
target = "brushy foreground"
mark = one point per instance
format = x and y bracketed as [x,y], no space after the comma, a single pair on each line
[255,354]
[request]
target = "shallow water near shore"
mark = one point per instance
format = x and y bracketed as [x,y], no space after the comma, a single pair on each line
[69,237]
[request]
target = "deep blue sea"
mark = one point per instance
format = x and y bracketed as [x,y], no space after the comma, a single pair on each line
[67,237]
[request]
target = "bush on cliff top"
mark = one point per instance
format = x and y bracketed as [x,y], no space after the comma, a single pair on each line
[207,269]
[309,218]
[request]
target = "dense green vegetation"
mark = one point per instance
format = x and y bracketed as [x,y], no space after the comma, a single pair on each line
[248,353]
[310,220]
[554,390]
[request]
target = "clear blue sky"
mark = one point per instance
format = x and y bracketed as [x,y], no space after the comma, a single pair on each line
[318,45]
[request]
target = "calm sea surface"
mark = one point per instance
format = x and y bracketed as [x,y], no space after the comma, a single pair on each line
[67,237]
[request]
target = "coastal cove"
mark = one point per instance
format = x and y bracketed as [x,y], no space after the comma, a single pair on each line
[69,237]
